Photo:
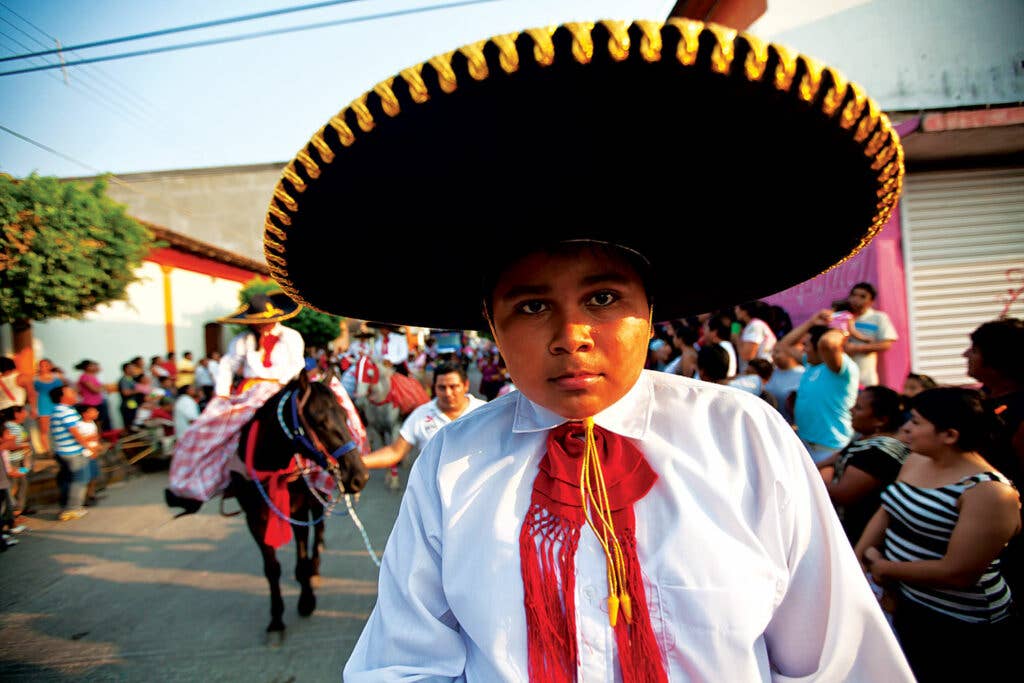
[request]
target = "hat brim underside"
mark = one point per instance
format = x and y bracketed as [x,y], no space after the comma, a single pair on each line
[713,171]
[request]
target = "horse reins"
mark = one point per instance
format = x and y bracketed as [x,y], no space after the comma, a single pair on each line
[314,444]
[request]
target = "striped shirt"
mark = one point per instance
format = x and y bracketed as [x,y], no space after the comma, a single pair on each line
[63,419]
[21,443]
[920,526]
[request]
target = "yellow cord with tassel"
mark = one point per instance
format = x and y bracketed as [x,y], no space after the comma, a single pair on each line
[594,496]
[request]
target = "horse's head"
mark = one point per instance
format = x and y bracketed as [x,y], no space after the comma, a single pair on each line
[326,419]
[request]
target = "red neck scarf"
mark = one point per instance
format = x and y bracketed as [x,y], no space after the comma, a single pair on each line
[267,343]
[548,541]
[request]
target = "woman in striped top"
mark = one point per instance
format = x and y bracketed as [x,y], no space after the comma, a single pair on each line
[943,524]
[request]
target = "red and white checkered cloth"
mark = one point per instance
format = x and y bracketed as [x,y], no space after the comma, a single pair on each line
[200,468]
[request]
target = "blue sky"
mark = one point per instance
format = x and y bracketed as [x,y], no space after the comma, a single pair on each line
[246,102]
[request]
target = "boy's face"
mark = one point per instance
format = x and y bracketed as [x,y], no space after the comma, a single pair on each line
[573,329]
[90,414]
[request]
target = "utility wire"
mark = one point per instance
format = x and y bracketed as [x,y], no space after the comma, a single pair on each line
[249,36]
[189,27]
[145,104]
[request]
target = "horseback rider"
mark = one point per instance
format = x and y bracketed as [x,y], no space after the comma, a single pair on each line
[265,357]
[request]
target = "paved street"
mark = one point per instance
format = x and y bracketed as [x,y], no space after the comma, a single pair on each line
[130,594]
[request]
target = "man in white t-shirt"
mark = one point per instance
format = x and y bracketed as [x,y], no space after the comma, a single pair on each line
[451,401]
[872,324]
[757,339]
[186,410]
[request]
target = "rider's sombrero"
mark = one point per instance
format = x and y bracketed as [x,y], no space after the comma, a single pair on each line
[262,308]
[688,143]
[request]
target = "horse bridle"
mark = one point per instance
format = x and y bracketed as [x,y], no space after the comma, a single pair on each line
[312,443]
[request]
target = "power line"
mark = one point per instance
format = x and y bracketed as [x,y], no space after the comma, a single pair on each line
[249,36]
[189,27]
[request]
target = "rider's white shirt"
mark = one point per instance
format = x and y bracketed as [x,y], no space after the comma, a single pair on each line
[243,358]
[424,421]
[747,572]
[396,348]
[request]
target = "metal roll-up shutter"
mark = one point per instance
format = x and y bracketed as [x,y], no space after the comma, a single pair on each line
[963,240]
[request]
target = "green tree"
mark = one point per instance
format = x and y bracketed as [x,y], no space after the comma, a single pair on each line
[65,249]
[317,329]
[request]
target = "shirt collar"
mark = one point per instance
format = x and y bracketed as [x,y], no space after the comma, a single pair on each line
[629,416]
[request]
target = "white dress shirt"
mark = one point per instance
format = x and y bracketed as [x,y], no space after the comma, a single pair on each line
[243,358]
[747,572]
[427,419]
[396,348]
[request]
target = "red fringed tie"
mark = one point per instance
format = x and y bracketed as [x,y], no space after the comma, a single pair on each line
[548,542]
[278,530]
[267,343]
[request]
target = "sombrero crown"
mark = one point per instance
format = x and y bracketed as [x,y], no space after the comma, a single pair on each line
[262,308]
[685,142]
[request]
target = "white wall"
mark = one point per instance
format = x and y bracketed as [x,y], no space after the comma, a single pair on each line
[116,332]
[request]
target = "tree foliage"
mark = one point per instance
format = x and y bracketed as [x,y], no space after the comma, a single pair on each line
[64,248]
[317,329]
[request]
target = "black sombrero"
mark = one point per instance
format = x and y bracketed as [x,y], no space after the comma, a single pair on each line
[271,307]
[686,142]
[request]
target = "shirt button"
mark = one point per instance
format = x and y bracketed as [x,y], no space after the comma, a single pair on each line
[589,593]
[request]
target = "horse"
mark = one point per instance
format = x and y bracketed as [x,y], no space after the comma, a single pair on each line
[277,495]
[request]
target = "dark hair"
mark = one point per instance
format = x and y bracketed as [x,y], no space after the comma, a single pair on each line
[125,366]
[763,367]
[719,326]
[713,362]
[1000,343]
[83,364]
[7,364]
[183,389]
[960,409]
[817,332]
[57,393]
[689,335]
[867,287]
[154,359]
[7,414]
[447,369]
[925,381]
[886,405]
[170,354]
[756,309]
[781,323]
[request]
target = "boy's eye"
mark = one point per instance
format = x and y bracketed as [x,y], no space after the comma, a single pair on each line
[602,299]
[532,307]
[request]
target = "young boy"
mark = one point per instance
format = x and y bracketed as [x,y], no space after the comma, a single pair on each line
[603,522]
[19,456]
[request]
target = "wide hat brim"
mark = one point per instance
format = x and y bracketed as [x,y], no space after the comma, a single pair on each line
[279,307]
[737,168]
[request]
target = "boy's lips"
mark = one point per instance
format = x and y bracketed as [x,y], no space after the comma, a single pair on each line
[576,380]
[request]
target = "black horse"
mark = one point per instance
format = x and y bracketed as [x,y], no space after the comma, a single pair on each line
[305,418]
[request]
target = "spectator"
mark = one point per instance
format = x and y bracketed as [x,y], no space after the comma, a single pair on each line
[718,330]
[19,454]
[15,388]
[995,359]
[204,380]
[7,519]
[786,377]
[186,370]
[713,363]
[186,410]
[157,370]
[658,354]
[92,391]
[126,390]
[170,364]
[757,339]
[214,365]
[684,337]
[828,387]
[871,324]
[492,375]
[90,431]
[70,445]
[167,386]
[941,527]
[856,475]
[754,378]
[914,384]
[47,377]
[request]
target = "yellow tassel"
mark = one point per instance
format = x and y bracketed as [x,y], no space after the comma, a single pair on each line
[613,610]
[627,607]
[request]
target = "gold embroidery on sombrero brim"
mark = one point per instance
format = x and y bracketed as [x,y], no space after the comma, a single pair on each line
[841,99]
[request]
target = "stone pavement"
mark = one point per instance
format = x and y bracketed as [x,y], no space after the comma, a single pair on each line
[129,594]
